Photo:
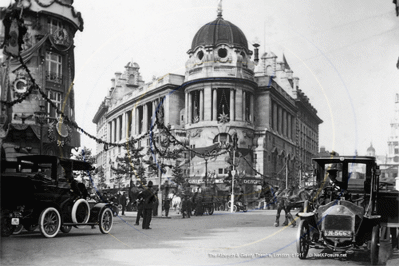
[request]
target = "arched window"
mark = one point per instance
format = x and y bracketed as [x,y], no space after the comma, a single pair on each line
[223,139]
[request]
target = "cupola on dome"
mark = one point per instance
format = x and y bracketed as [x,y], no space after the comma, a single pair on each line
[217,32]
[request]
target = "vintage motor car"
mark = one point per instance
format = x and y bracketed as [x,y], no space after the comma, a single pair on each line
[342,218]
[39,190]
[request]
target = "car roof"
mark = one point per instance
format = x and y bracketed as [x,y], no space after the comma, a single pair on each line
[69,163]
[344,159]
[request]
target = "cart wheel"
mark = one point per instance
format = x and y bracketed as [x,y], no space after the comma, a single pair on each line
[235,208]
[66,228]
[375,239]
[49,222]
[222,207]
[18,229]
[245,208]
[211,210]
[106,220]
[303,239]
[31,227]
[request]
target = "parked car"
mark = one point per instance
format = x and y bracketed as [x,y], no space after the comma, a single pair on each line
[40,190]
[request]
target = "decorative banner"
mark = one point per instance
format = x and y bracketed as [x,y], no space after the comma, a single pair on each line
[14,32]
[59,133]
[61,40]
[11,46]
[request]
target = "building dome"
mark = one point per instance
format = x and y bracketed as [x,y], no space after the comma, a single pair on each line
[371,149]
[219,31]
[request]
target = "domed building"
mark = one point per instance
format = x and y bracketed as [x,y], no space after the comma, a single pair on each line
[225,96]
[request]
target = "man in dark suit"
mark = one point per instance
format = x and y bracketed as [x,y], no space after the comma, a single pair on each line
[149,200]
[140,205]
[123,202]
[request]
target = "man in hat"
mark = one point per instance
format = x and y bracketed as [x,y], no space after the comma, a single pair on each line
[149,200]
[140,204]
[332,174]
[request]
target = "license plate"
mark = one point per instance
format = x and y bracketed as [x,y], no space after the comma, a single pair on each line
[338,233]
[14,221]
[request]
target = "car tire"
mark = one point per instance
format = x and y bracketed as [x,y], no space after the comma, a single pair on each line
[303,239]
[80,209]
[375,239]
[18,229]
[49,222]
[106,220]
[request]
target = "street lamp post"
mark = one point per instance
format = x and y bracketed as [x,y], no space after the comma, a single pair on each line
[233,172]
[206,172]
[41,119]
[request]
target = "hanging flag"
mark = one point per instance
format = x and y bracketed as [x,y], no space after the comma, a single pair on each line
[397,64]
[286,63]
[14,32]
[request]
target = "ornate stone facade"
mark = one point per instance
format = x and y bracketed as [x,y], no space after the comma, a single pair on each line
[32,126]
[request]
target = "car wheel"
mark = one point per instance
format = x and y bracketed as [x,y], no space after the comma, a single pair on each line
[106,220]
[66,228]
[375,239]
[211,210]
[50,222]
[80,211]
[18,229]
[302,239]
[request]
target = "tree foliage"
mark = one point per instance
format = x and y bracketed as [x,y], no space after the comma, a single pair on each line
[129,166]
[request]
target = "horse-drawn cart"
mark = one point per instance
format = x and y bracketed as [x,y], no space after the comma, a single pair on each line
[344,217]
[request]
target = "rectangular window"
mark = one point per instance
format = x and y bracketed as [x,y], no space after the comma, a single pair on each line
[56,98]
[53,25]
[54,67]
[220,170]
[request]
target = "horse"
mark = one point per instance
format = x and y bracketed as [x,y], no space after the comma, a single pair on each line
[288,199]
[176,202]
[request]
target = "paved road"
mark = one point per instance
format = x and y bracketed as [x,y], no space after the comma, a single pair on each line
[220,239]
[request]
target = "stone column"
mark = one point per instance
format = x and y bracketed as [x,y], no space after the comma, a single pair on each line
[201,106]
[109,132]
[124,123]
[214,105]
[238,103]
[244,107]
[133,124]
[190,116]
[232,116]
[145,118]
[275,117]
[283,113]
[289,126]
[185,107]
[208,103]
[113,137]
[166,108]
[118,128]
[137,122]
[252,108]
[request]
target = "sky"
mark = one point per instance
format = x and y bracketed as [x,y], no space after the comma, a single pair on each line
[344,53]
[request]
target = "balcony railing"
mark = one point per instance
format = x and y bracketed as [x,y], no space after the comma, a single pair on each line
[54,77]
